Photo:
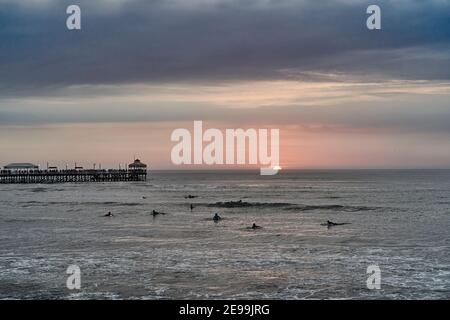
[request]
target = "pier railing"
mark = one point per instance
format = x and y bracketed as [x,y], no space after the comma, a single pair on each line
[71,175]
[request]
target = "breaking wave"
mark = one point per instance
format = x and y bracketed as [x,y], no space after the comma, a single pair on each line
[244,204]
[290,206]
[332,207]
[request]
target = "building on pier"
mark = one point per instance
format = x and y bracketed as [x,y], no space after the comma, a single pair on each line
[137,165]
[21,167]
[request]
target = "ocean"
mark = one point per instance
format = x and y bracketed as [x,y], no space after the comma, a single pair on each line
[398,220]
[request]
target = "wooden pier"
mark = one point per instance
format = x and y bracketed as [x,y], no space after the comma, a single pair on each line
[64,176]
[30,173]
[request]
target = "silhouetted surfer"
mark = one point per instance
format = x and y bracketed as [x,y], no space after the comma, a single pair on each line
[109,214]
[192,207]
[155,213]
[190,197]
[332,224]
[216,217]
[254,226]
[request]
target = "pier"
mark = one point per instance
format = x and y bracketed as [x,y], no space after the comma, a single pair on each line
[27,173]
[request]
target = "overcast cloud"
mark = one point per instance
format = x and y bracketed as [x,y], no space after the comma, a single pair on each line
[123,42]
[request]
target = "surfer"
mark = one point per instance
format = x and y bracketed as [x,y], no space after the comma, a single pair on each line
[332,224]
[109,214]
[192,207]
[216,217]
[155,213]
[254,226]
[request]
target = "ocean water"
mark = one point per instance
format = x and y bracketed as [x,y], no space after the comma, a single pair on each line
[399,221]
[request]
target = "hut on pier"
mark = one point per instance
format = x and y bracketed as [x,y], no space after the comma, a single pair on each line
[21,167]
[137,165]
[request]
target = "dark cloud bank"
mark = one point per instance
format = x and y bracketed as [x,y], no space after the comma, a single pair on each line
[160,41]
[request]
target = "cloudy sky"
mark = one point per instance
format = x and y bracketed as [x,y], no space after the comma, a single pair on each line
[342,96]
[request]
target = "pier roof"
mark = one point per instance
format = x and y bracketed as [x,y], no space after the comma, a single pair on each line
[21,166]
[137,164]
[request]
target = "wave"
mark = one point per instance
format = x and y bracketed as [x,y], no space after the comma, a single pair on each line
[332,207]
[244,204]
[107,203]
[290,206]
[40,189]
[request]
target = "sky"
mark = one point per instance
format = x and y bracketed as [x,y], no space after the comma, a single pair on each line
[341,95]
